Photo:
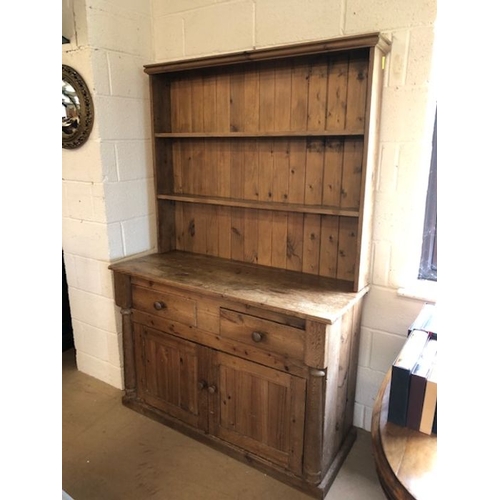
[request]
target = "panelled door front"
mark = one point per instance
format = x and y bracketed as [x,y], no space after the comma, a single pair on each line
[168,371]
[259,409]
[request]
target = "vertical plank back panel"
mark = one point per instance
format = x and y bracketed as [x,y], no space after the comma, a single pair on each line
[184,105]
[179,227]
[198,168]
[281,170]
[338,69]
[251,241]
[237,166]
[238,234]
[265,221]
[356,92]
[164,161]
[266,97]
[251,99]
[188,228]
[312,244]
[197,103]
[223,98]
[237,100]
[161,104]
[332,174]
[351,173]
[210,111]
[266,169]
[279,240]
[283,96]
[224,233]
[294,243]
[200,213]
[348,235]
[212,222]
[329,246]
[314,171]
[299,94]
[177,185]
[223,184]
[318,79]
[297,170]
[251,170]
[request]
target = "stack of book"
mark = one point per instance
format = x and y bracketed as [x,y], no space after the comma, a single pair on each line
[413,390]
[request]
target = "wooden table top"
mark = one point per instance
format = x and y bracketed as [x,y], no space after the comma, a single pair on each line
[406,460]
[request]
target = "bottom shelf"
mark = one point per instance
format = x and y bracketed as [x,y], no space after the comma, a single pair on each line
[322,245]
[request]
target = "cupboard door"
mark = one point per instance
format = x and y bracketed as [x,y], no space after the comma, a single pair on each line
[259,409]
[169,376]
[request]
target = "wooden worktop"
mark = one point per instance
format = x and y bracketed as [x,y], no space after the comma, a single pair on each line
[406,460]
[305,296]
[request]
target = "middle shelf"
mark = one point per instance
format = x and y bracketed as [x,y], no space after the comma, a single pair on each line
[261,205]
[307,175]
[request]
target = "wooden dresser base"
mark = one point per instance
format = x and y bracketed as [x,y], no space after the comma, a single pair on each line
[256,462]
[256,363]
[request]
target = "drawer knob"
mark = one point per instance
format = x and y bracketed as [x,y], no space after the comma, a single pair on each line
[212,389]
[257,336]
[202,385]
[159,305]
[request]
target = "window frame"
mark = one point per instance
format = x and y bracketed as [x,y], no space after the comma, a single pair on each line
[428,259]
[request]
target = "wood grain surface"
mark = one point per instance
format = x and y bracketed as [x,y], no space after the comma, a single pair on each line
[303,296]
[406,460]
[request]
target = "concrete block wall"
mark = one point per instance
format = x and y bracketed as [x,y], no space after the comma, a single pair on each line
[107,183]
[107,187]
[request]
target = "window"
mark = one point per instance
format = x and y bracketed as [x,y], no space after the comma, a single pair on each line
[428,260]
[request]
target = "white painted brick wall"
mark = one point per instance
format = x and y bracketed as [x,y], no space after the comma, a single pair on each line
[102,217]
[116,163]
[295,20]
[208,29]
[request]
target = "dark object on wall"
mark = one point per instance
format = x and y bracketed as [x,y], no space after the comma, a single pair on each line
[67,329]
[65,40]
[78,109]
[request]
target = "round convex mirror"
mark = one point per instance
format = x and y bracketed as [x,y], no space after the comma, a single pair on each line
[77,109]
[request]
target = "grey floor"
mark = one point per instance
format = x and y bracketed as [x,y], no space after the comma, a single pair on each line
[110,452]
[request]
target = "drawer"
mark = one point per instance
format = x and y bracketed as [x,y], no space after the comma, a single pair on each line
[164,305]
[260,333]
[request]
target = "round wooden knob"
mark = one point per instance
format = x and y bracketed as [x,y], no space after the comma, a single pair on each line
[159,305]
[202,385]
[257,336]
[212,389]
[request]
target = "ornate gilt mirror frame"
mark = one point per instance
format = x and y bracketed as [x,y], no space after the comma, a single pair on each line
[78,109]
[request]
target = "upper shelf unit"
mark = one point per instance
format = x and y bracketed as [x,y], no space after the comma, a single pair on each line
[267,156]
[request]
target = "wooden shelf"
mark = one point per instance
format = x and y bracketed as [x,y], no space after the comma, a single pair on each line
[262,205]
[268,156]
[218,135]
